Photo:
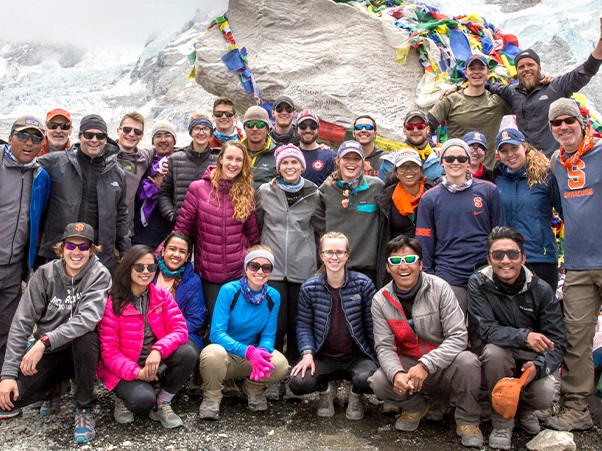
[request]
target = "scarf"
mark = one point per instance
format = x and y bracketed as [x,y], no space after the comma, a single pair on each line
[424,152]
[253,297]
[290,187]
[284,137]
[567,161]
[166,272]
[457,188]
[479,172]
[406,203]
[12,158]
[350,186]
[225,138]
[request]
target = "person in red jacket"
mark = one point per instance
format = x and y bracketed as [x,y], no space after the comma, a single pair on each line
[143,342]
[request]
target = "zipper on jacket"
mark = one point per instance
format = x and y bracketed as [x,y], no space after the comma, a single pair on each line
[10,260]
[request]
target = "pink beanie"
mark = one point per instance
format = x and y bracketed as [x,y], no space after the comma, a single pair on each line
[288,150]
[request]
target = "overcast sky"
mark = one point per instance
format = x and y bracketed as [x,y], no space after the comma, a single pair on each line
[113,25]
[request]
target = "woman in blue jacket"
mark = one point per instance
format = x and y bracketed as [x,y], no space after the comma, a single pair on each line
[529,193]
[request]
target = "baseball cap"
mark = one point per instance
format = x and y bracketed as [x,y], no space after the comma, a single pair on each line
[350,146]
[284,99]
[474,58]
[306,114]
[510,136]
[506,394]
[413,114]
[475,138]
[404,155]
[58,112]
[79,229]
[27,122]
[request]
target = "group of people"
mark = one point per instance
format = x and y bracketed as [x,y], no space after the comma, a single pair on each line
[198,265]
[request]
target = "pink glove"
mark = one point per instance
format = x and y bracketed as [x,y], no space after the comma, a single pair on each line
[259,359]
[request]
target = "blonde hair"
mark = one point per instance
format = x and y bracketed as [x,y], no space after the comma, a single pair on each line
[242,194]
[135,116]
[197,113]
[537,166]
[327,236]
[260,247]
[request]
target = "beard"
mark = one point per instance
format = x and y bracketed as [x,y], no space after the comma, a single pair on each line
[530,84]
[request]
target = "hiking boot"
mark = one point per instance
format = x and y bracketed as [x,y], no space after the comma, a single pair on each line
[529,423]
[436,412]
[542,414]
[257,403]
[231,389]
[84,426]
[6,414]
[51,407]
[120,412]
[470,434]
[389,408]
[165,414]
[209,410]
[355,408]
[409,421]
[326,401]
[570,420]
[272,392]
[500,438]
[193,388]
[290,396]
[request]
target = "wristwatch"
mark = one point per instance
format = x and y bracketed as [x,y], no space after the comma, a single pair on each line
[45,341]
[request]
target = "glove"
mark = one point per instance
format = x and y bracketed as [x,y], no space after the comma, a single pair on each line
[259,359]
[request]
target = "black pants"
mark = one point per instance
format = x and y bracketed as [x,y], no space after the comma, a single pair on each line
[78,362]
[140,397]
[287,318]
[547,272]
[357,371]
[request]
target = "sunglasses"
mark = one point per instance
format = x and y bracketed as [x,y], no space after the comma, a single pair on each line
[360,127]
[451,158]
[140,267]
[258,124]
[287,108]
[407,259]
[55,125]
[228,114]
[512,254]
[305,126]
[128,130]
[411,127]
[413,167]
[330,254]
[99,136]
[266,268]
[24,136]
[567,120]
[82,246]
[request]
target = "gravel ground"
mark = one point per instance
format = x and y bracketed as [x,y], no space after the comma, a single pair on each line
[284,426]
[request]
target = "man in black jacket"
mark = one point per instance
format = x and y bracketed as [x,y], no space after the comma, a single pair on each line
[519,319]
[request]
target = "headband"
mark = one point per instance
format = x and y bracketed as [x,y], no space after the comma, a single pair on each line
[259,253]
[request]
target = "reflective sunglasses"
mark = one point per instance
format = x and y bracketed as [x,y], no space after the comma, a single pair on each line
[258,124]
[128,130]
[266,268]
[512,254]
[411,127]
[305,126]
[24,136]
[567,120]
[477,148]
[228,114]
[99,136]
[140,267]
[330,254]
[280,108]
[360,127]
[55,125]
[407,259]
[450,158]
[82,246]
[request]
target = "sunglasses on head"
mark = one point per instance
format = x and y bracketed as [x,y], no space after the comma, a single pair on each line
[512,254]
[258,124]
[420,126]
[128,130]
[305,126]
[266,268]
[407,259]
[55,125]
[567,120]
[24,136]
[99,136]
[450,158]
[360,127]
[280,108]
[228,114]
[140,267]
[81,246]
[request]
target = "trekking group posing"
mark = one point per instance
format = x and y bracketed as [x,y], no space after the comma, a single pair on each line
[156,269]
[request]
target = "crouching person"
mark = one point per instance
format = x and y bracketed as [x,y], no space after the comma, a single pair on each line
[420,338]
[143,339]
[243,332]
[334,331]
[65,300]
[519,319]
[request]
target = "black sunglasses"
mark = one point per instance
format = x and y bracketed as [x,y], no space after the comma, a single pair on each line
[99,136]
[140,267]
[228,114]
[55,125]
[567,120]
[280,108]
[512,254]
[266,268]
[304,126]
[137,131]
[451,158]
[24,136]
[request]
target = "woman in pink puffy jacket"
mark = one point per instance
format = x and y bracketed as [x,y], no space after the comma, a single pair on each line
[143,343]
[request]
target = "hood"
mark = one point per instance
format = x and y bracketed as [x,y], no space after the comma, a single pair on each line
[486,276]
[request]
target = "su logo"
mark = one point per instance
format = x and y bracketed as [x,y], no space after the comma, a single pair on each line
[478,202]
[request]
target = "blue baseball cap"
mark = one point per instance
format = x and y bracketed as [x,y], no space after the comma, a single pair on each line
[475,138]
[474,58]
[510,136]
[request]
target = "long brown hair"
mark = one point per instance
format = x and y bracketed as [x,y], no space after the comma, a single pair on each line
[241,192]
[121,290]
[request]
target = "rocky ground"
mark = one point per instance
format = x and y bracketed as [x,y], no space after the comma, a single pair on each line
[285,426]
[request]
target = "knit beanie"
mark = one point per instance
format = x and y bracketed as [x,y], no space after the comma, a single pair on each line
[256,113]
[199,120]
[164,126]
[288,150]
[528,53]
[92,121]
[564,106]
[455,142]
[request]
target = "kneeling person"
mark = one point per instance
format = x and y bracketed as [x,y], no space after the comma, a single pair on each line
[420,338]
[65,300]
